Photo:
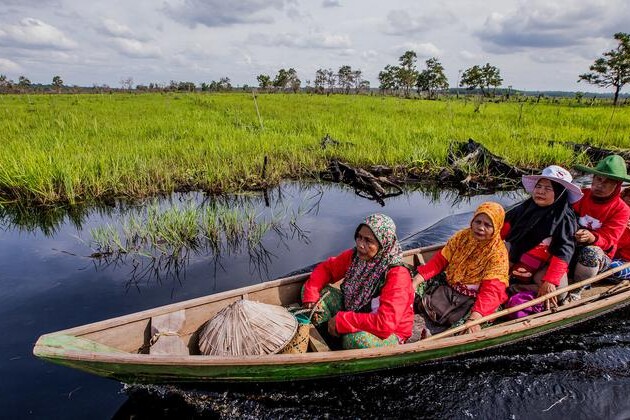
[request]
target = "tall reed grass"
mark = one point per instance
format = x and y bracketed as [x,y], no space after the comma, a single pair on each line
[78,148]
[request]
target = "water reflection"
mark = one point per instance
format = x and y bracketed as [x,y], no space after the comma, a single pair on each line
[160,240]
[46,220]
[156,240]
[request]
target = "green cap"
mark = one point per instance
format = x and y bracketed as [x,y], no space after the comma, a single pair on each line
[612,166]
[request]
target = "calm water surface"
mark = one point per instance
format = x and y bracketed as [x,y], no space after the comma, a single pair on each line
[48,283]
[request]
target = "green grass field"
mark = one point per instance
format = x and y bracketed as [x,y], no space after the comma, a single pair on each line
[76,148]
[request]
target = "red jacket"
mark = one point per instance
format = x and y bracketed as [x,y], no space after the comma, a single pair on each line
[395,313]
[491,292]
[557,266]
[606,221]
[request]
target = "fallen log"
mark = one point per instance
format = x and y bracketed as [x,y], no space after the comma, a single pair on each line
[594,153]
[365,184]
[473,169]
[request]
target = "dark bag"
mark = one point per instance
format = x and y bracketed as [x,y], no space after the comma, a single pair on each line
[444,305]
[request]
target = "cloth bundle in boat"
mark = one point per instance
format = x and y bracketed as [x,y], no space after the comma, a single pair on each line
[520,298]
[247,328]
[165,334]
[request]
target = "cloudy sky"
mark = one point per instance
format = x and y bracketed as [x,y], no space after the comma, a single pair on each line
[537,44]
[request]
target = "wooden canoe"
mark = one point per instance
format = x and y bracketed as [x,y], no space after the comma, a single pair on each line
[116,348]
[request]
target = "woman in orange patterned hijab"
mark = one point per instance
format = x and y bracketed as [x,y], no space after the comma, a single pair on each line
[476,265]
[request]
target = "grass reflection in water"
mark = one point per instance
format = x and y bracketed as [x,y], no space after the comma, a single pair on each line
[158,241]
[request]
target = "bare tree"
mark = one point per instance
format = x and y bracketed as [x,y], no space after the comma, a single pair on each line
[126,83]
[5,84]
[331,80]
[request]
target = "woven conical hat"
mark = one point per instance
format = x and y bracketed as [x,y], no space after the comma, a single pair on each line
[247,328]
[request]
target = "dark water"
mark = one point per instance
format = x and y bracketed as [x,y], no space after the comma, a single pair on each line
[48,284]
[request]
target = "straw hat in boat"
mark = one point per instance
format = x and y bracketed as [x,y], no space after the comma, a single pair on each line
[247,328]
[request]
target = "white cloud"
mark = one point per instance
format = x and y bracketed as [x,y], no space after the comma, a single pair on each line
[402,22]
[423,50]
[369,55]
[136,49]
[295,40]
[33,33]
[544,24]
[117,30]
[8,66]
[467,55]
[331,3]
[217,13]
[536,43]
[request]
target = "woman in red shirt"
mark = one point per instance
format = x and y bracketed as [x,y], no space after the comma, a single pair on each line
[475,266]
[374,307]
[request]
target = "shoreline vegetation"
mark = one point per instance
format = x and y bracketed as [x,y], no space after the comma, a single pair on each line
[90,148]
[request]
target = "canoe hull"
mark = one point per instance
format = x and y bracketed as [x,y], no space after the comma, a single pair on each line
[139,368]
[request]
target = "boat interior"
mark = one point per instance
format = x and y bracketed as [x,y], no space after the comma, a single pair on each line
[174,329]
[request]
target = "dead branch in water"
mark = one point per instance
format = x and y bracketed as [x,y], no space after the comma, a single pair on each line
[365,184]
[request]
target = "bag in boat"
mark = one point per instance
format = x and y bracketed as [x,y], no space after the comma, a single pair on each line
[299,342]
[445,305]
[247,328]
[522,297]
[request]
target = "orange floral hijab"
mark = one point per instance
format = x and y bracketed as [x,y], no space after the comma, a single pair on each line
[470,260]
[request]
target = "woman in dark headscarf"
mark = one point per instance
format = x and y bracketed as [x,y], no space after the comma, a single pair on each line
[540,232]
[374,306]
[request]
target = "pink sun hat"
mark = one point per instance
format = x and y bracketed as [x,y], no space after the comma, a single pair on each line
[556,174]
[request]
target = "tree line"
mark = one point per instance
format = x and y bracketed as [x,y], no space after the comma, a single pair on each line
[612,69]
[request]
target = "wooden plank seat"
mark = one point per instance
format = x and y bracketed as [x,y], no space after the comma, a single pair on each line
[316,341]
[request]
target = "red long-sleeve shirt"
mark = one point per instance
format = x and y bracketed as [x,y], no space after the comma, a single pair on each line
[395,312]
[606,221]
[491,292]
[557,266]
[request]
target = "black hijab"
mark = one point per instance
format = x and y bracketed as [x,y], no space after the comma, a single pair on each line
[530,224]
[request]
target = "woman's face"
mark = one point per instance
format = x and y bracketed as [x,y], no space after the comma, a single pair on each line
[482,227]
[367,244]
[543,194]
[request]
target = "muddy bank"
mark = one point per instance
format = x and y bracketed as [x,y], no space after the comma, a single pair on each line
[471,170]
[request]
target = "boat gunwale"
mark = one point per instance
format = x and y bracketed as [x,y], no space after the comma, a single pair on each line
[605,304]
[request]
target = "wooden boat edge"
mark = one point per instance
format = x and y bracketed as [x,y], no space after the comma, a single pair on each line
[48,347]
